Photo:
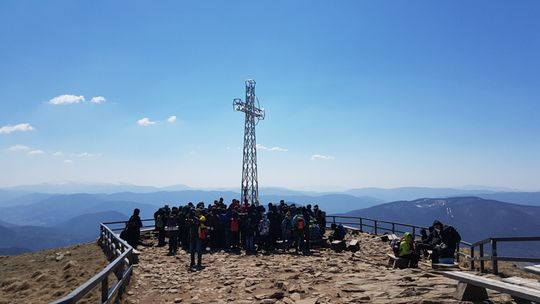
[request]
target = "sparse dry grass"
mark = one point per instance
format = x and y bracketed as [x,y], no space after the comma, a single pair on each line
[44,276]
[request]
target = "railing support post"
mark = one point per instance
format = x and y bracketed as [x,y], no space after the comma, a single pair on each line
[105,290]
[472,258]
[375,227]
[494,257]
[457,253]
[361,230]
[482,267]
[393,228]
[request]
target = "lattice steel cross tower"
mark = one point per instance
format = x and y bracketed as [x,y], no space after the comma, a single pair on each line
[250,185]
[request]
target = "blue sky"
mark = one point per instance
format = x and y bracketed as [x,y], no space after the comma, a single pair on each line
[388,94]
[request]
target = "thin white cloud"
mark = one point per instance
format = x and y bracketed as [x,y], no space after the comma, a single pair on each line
[18,148]
[26,149]
[272,149]
[66,99]
[24,127]
[86,154]
[35,152]
[98,99]
[58,153]
[171,119]
[68,161]
[145,122]
[321,157]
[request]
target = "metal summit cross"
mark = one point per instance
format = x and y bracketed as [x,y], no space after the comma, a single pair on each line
[250,185]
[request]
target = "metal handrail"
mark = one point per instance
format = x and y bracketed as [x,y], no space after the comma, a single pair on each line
[360,221]
[494,258]
[122,266]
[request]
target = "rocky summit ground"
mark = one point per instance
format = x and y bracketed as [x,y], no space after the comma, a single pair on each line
[44,276]
[323,277]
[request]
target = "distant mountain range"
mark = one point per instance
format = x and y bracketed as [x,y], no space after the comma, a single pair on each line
[83,228]
[72,187]
[16,195]
[32,220]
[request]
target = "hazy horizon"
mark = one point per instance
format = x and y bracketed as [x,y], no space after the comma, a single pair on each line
[357,94]
[321,189]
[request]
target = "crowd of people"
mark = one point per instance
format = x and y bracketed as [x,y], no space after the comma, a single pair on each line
[235,227]
[254,228]
[442,241]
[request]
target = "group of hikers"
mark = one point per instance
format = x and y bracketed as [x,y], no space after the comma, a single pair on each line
[442,241]
[234,227]
[282,226]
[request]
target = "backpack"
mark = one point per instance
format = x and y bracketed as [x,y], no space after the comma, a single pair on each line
[171,224]
[124,234]
[394,244]
[160,223]
[203,231]
[300,223]
[264,228]
[234,225]
[450,236]
[314,231]
[286,225]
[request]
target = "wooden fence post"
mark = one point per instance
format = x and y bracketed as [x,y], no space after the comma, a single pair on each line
[375,227]
[482,266]
[105,290]
[361,229]
[472,258]
[494,256]
[457,253]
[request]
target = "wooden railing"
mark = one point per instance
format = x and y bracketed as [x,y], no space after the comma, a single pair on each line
[375,226]
[494,257]
[121,254]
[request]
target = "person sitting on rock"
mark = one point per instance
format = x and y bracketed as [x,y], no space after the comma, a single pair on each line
[429,241]
[445,250]
[406,250]
[339,232]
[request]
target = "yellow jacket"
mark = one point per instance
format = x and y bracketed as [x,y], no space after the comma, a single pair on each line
[405,245]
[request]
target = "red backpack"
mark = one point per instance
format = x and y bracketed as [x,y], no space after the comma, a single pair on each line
[300,223]
[234,225]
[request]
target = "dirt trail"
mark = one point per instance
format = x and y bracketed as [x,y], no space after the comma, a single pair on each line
[44,276]
[324,277]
